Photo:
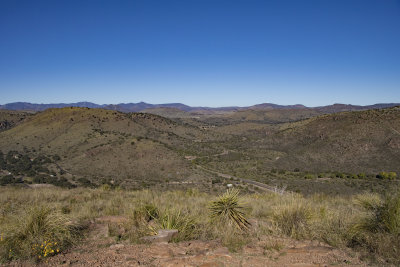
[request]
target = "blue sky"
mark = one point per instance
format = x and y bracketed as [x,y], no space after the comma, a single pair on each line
[201,53]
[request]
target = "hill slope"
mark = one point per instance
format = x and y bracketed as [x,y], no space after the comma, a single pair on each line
[103,144]
[357,141]
[140,149]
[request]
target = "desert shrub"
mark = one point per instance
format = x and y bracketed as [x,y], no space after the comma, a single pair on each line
[361,176]
[379,230]
[37,232]
[181,221]
[216,180]
[352,176]
[308,176]
[8,179]
[86,182]
[340,175]
[142,222]
[293,218]
[105,187]
[228,209]
[147,219]
[387,175]
[383,215]
[392,175]
[146,212]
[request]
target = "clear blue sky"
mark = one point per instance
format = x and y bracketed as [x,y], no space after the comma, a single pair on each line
[209,53]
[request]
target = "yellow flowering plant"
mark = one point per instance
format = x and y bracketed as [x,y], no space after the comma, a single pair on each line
[45,249]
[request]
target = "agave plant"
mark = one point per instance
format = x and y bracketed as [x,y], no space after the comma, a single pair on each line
[227,208]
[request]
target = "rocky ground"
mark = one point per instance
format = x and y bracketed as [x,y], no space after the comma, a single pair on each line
[100,250]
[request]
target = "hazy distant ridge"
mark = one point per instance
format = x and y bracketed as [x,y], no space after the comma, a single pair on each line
[137,107]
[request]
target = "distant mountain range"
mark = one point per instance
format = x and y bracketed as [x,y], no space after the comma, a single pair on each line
[142,106]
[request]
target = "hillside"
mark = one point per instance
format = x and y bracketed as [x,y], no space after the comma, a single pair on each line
[366,141]
[277,147]
[131,149]
[361,141]
[10,118]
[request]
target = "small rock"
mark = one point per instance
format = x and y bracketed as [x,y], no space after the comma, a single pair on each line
[162,236]
[220,251]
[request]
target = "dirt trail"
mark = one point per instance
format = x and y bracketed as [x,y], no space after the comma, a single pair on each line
[101,250]
[262,186]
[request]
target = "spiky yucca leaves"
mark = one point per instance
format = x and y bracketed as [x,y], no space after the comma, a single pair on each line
[384,214]
[227,208]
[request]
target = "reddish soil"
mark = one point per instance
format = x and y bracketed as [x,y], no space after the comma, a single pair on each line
[100,250]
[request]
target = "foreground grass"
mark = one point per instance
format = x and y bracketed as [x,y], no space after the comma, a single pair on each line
[38,223]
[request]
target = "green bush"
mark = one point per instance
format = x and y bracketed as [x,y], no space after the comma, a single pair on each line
[387,175]
[361,176]
[340,175]
[392,175]
[308,176]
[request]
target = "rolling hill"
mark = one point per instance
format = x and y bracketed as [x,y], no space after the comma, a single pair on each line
[357,141]
[142,149]
[133,148]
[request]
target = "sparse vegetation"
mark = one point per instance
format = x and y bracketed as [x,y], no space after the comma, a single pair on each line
[334,190]
[364,222]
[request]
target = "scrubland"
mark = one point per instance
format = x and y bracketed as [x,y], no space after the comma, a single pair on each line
[38,223]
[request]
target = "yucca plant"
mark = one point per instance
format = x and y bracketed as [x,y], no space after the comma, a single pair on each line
[384,214]
[227,208]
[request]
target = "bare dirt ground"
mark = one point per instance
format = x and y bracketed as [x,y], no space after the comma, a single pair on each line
[100,250]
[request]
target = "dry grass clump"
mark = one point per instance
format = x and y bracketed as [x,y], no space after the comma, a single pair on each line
[147,219]
[176,219]
[36,232]
[383,214]
[378,231]
[293,218]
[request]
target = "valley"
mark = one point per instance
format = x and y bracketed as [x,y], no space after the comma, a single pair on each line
[274,147]
[297,174]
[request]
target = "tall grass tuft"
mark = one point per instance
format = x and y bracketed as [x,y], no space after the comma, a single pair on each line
[383,214]
[37,232]
[379,230]
[176,219]
[293,219]
[228,209]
